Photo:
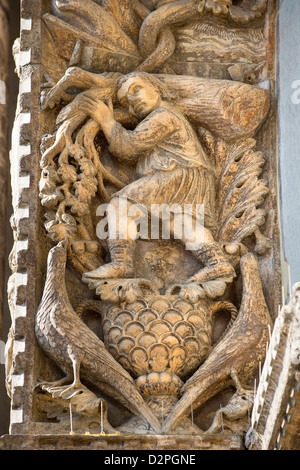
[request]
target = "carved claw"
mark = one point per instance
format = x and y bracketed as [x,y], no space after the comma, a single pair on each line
[260,6]
[68,392]
[218,7]
[45,386]
[116,290]
[59,389]
[194,291]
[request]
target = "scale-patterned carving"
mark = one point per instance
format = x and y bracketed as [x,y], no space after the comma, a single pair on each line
[159,334]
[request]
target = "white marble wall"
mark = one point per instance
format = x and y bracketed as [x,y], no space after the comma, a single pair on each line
[289,131]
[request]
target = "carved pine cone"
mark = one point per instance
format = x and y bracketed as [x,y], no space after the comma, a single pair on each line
[159,334]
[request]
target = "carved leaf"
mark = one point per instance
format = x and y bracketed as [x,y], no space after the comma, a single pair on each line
[48,181]
[88,168]
[240,191]
[88,184]
[75,150]
[85,190]
[60,230]
[51,200]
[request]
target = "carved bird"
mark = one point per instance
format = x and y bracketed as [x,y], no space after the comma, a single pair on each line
[80,354]
[236,357]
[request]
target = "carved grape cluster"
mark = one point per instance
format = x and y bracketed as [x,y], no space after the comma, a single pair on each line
[66,188]
[159,335]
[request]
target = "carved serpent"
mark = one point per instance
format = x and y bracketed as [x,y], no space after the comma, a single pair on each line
[115,26]
[156,40]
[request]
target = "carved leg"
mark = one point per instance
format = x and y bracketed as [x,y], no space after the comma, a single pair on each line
[215,262]
[58,389]
[121,265]
[76,362]
[240,390]
[120,244]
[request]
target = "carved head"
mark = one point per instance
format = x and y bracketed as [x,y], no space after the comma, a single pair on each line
[57,257]
[141,92]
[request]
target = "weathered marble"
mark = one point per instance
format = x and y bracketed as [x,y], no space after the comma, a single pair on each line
[159,103]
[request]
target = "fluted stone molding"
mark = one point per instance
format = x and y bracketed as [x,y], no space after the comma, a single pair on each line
[279,379]
[4,71]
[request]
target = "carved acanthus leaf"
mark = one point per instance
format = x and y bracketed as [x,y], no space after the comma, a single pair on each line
[240,190]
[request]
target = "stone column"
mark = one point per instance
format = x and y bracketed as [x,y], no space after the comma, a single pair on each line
[4,71]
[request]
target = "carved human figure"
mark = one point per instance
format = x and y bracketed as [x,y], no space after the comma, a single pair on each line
[172,168]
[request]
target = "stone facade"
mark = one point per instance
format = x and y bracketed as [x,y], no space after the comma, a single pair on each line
[151,342]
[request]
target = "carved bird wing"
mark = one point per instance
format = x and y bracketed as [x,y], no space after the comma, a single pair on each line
[70,338]
[80,336]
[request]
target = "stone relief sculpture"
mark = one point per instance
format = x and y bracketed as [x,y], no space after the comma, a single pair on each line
[130,133]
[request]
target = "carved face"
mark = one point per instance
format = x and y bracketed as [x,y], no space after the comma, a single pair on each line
[140,97]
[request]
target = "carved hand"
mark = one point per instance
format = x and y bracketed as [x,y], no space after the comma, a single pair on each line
[99,111]
[95,108]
